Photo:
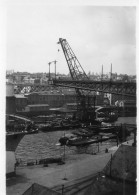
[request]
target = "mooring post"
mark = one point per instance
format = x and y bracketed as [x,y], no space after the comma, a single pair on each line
[110,165]
[117,141]
[62,189]
[98,144]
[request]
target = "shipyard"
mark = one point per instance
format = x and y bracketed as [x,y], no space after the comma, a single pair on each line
[69,130]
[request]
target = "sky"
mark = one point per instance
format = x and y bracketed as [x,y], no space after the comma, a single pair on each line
[98,35]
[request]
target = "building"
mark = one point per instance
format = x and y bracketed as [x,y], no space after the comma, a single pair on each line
[113,76]
[127,103]
[21,102]
[36,188]
[29,80]
[119,175]
[57,99]
[37,108]
[51,98]
[127,107]
[10,99]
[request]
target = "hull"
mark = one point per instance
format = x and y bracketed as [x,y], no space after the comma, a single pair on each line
[80,141]
[58,128]
[89,141]
[12,141]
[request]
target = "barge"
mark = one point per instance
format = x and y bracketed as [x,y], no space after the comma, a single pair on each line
[84,142]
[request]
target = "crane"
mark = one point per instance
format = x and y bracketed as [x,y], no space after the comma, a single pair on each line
[55,67]
[77,73]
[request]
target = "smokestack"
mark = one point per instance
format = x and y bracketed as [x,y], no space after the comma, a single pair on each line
[111,71]
[102,73]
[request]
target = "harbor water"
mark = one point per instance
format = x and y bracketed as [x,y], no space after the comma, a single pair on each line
[46,145]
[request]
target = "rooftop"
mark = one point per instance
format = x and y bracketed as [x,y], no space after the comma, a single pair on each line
[20,96]
[39,189]
[37,105]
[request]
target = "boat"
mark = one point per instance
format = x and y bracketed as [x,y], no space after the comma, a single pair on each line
[108,119]
[110,129]
[88,141]
[32,131]
[106,116]
[73,140]
[57,127]
[64,139]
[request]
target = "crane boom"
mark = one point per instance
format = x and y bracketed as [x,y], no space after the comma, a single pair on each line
[75,68]
[77,73]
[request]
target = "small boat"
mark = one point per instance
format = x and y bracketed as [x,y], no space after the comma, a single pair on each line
[108,118]
[82,141]
[32,131]
[110,129]
[88,141]
[57,127]
[64,139]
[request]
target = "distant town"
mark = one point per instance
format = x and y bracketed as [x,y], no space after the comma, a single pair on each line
[42,78]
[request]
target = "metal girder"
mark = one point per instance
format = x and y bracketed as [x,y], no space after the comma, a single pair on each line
[76,70]
[112,87]
[119,88]
[30,88]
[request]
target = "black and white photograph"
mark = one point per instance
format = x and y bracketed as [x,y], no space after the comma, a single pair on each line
[70,98]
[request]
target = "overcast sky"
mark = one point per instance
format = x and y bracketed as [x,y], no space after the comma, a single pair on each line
[97,35]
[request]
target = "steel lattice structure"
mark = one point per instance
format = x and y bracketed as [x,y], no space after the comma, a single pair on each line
[113,87]
[77,74]
[28,88]
[75,68]
[118,88]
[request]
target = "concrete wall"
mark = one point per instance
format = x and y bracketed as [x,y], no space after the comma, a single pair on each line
[10,162]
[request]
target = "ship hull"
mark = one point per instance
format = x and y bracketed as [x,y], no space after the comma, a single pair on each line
[12,141]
